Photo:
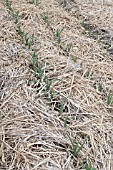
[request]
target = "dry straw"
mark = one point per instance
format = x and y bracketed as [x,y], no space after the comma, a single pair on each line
[63,121]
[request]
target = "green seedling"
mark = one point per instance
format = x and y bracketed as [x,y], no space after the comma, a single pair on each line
[62,105]
[58,35]
[39,71]
[26,39]
[74,58]
[16,16]
[46,19]
[100,87]
[90,75]
[76,148]
[48,83]
[65,122]
[37,66]
[1,154]
[52,95]
[88,166]
[68,47]
[29,41]
[20,32]
[9,5]
[109,99]
[35,2]
[34,55]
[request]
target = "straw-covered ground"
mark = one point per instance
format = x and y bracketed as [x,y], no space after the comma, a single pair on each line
[56,85]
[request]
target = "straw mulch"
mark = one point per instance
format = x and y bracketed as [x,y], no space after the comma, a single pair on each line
[32,133]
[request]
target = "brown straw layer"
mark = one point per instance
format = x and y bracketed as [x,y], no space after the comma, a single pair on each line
[39,133]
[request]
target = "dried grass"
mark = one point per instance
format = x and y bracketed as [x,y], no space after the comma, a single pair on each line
[32,131]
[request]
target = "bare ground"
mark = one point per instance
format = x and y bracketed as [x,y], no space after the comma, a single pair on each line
[32,132]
